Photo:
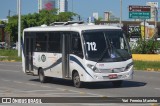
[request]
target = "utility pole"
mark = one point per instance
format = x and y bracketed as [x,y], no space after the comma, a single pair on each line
[120,21]
[156,17]
[79,18]
[19,28]
[9,13]
[72,5]
[39,5]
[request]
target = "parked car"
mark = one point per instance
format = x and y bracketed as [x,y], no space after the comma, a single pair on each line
[1,46]
[14,46]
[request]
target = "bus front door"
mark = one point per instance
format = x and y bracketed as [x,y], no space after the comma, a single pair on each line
[65,55]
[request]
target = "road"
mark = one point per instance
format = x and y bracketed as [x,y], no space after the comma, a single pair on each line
[14,83]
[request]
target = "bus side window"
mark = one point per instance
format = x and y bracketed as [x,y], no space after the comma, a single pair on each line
[41,42]
[54,42]
[76,46]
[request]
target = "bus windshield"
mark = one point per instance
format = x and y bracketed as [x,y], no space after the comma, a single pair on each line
[106,46]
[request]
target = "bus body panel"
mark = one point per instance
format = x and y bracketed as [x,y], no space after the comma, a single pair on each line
[106,69]
[87,75]
[50,62]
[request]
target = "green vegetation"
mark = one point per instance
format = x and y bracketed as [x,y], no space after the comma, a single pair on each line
[9,55]
[146,46]
[36,19]
[147,65]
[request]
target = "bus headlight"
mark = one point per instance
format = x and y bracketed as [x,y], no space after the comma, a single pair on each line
[94,68]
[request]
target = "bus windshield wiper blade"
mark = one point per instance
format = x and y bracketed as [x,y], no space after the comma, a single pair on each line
[105,50]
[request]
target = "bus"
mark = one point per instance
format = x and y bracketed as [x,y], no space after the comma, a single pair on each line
[78,52]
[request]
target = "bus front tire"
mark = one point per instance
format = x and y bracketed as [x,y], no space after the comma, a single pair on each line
[42,77]
[76,80]
[117,83]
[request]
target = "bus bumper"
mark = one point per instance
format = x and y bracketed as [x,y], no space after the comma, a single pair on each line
[100,77]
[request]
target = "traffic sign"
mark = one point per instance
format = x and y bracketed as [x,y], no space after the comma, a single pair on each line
[139,12]
[140,15]
[139,8]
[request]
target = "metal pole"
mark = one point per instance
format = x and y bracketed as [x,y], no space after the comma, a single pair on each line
[72,5]
[120,21]
[156,14]
[17,6]
[38,6]
[144,29]
[9,13]
[19,28]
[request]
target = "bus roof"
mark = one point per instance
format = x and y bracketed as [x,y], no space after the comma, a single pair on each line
[73,27]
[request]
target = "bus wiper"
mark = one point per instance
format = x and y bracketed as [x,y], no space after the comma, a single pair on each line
[105,50]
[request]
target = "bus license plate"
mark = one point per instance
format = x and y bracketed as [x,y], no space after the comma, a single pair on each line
[113,76]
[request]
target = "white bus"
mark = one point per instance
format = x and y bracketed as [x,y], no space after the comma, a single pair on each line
[78,52]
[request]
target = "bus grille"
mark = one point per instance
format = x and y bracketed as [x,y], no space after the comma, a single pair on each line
[115,70]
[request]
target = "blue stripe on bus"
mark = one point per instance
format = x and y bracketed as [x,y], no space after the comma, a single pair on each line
[72,58]
[55,64]
[79,63]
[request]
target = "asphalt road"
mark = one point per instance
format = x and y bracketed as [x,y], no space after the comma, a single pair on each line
[14,83]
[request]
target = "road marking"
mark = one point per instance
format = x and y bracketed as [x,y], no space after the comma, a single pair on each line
[113,104]
[5,80]
[26,83]
[7,91]
[38,91]
[75,91]
[62,89]
[83,92]
[31,84]
[10,65]
[61,93]
[96,94]
[46,86]
[157,88]
[9,70]
[99,104]
[154,104]
[18,82]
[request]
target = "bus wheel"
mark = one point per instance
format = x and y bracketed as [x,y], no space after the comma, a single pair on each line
[42,77]
[76,80]
[117,83]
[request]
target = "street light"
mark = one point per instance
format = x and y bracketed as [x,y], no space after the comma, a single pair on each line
[120,21]
[19,28]
[72,5]
[156,17]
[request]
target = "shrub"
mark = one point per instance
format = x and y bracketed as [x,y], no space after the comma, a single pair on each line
[146,46]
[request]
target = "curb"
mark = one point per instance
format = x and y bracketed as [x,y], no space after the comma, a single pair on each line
[8,61]
[151,69]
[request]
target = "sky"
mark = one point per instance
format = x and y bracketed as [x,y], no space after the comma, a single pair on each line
[84,8]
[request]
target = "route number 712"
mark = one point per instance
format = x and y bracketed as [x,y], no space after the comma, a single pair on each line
[91,46]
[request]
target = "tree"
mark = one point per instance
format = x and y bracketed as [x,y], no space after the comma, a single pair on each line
[12,28]
[47,17]
[66,16]
[97,21]
[3,24]
[36,19]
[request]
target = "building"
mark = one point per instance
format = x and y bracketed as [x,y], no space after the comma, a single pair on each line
[63,5]
[108,16]
[47,4]
[154,10]
[95,15]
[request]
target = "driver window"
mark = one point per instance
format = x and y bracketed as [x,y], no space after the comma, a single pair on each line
[76,46]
